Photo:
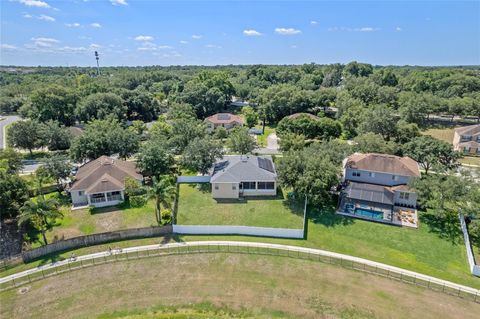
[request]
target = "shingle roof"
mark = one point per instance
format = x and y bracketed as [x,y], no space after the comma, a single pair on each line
[104,174]
[469,130]
[385,163]
[243,169]
[224,118]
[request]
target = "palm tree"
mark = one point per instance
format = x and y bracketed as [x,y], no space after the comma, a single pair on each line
[163,191]
[38,212]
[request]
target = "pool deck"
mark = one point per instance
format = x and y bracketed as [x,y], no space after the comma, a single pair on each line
[403,217]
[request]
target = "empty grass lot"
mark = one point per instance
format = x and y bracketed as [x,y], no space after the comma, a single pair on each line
[197,207]
[444,134]
[244,286]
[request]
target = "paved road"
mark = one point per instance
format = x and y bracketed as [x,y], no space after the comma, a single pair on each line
[3,123]
[376,265]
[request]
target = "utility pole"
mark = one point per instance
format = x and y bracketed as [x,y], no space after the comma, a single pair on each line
[98,67]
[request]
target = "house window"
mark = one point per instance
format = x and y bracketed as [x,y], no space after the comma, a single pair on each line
[81,193]
[395,177]
[371,174]
[404,195]
[216,187]
[266,185]
[249,185]
[466,149]
[355,173]
[466,138]
[234,187]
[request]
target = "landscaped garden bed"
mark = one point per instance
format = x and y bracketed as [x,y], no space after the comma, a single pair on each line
[197,207]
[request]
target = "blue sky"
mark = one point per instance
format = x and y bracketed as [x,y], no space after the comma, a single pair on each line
[134,32]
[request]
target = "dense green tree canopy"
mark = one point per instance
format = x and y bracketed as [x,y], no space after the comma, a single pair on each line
[104,137]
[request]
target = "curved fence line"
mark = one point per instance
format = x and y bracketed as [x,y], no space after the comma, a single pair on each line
[347,261]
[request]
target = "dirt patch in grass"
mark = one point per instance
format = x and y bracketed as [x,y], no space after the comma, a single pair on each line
[279,285]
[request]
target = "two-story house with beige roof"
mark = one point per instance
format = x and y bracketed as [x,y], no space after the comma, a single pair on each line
[375,187]
[101,182]
[467,140]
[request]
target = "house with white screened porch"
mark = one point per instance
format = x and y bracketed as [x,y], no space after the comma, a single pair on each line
[101,182]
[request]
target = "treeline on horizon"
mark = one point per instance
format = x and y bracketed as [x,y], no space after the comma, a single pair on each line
[359,91]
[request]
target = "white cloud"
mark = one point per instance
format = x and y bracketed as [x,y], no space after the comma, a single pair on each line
[44,42]
[293,46]
[95,46]
[398,29]
[213,46]
[27,16]
[165,47]
[143,38]
[73,25]
[251,33]
[362,29]
[183,42]
[119,2]
[95,25]
[46,18]
[287,31]
[313,22]
[7,46]
[35,3]
[147,49]
[197,36]
[365,29]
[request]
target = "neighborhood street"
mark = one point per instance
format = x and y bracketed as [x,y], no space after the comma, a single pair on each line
[7,119]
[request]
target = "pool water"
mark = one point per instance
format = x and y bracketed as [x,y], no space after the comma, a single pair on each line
[368,213]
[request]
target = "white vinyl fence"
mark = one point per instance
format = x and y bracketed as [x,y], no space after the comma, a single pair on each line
[474,268]
[238,230]
[235,247]
[193,179]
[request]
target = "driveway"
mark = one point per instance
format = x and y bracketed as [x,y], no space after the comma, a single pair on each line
[7,119]
[272,141]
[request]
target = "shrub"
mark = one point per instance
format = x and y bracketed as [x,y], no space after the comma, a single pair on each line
[167,216]
[137,200]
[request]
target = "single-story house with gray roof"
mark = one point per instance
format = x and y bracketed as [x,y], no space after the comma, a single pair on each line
[243,175]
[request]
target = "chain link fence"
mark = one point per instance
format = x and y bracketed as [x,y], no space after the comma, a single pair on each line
[133,253]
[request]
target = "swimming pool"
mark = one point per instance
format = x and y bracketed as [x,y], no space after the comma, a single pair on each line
[374,214]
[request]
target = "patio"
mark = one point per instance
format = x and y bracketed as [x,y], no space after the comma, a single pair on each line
[394,215]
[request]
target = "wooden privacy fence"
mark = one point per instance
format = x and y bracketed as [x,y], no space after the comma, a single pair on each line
[204,247]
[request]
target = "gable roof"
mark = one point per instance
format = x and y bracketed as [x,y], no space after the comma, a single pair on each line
[104,174]
[236,168]
[404,166]
[469,130]
[224,118]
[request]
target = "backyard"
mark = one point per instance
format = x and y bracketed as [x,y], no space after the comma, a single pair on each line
[444,134]
[85,222]
[197,207]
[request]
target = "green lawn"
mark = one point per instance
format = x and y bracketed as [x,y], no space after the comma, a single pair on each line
[262,139]
[85,222]
[197,207]
[444,134]
[434,248]
[470,161]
